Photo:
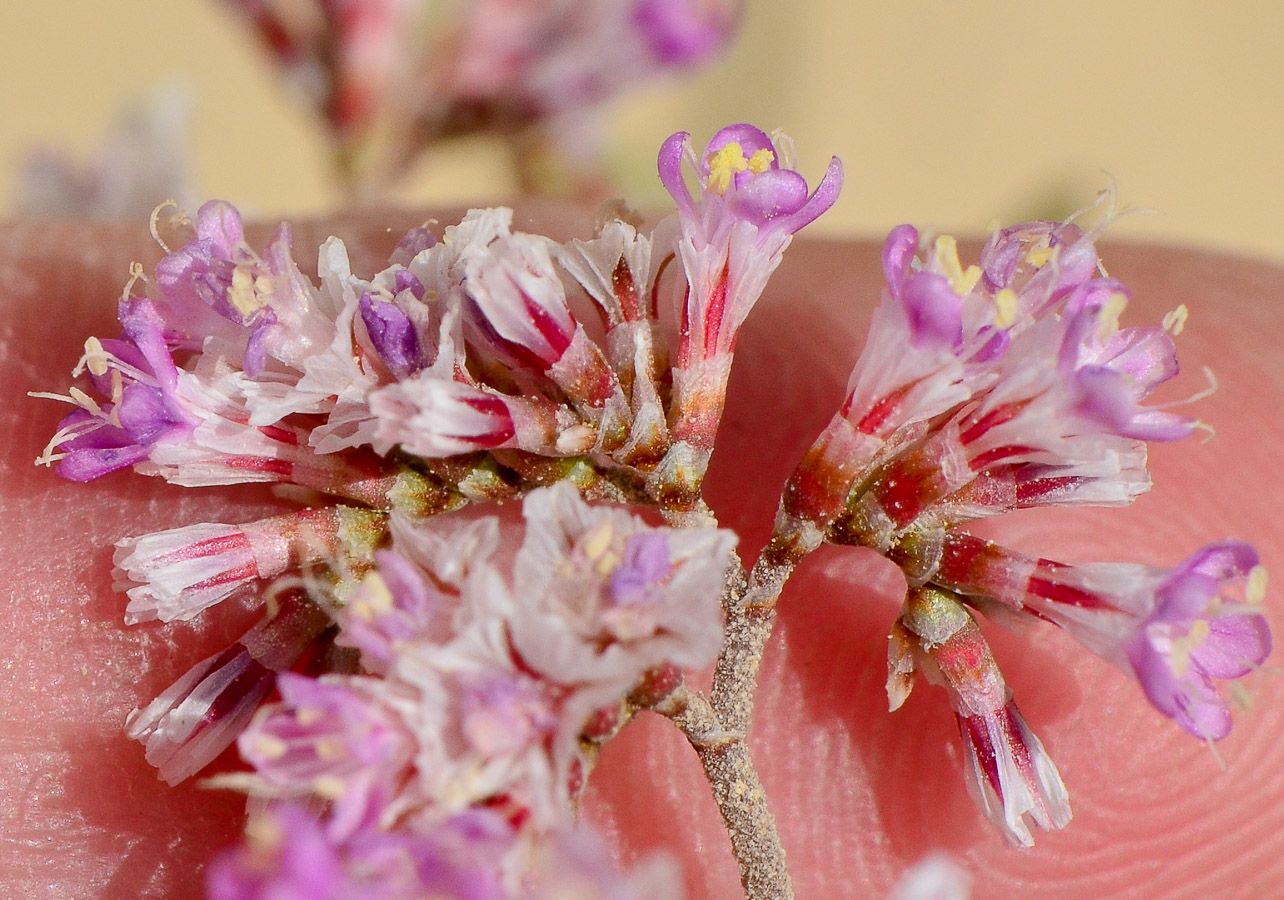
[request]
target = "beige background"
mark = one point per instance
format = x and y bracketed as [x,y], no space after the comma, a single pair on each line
[944,114]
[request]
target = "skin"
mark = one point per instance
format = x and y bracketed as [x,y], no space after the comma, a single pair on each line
[860,794]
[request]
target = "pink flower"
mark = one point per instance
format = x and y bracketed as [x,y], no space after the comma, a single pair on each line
[1175,630]
[1009,773]
[202,713]
[176,574]
[610,597]
[332,738]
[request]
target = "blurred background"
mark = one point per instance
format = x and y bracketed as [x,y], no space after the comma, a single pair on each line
[944,115]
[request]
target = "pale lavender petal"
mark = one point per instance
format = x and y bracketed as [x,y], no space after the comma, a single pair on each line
[148,417]
[219,223]
[415,241]
[934,311]
[645,564]
[763,197]
[898,253]
[750,139]
[406,280]
[669,164]
[1236,645]
[821,199]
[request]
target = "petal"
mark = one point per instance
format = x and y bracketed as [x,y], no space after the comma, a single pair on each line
[1235,646]
[898,253]
[934,311]
[767,195]
[750,138]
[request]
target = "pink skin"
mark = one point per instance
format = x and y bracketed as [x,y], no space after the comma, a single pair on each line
[860,793]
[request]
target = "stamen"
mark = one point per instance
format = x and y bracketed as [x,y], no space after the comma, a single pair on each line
[947,257]
[85,401]
[1255,588]
[1174,322]
[1108,322]
[723,166]
[1006,305]
[270,747]
[95,358]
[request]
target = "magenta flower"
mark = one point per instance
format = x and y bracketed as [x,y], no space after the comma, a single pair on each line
[742,180]
[290,855]
[330,737]
[1175,630]
[751,202]
[1198,632]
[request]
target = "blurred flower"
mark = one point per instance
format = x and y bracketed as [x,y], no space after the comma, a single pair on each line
[143,161]
[393,77]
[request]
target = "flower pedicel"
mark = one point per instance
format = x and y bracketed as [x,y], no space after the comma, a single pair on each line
[469,692]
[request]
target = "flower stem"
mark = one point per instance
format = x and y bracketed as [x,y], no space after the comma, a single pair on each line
[750,824]
[737,790]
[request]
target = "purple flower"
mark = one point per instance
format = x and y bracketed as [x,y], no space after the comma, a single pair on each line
[733,236]
[684,32]
[741,180]
[611,597]
[393,334]
[1201,630]
[1176,630]
[138,375]
[289,855]
[394,605]
[645,565]
[330,737]
[203,272]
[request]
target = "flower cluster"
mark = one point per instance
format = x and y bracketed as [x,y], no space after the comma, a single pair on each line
[474,702]
[1009,385]
[425,696]
[444,680]
[390,78]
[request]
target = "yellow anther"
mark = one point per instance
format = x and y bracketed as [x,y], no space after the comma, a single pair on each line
[95,357]
[1006,306]
[761,161]
[375,594]
[270,747]
[331,749]
[307,715]
[723,166]
[248,293]
[329,787]
[947,257]
[264,835]
[1183,647]
[598,540]
[1199,632]
[1108,323]
[1175,320]
[85,401]
[1038,255]
[1255,589]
